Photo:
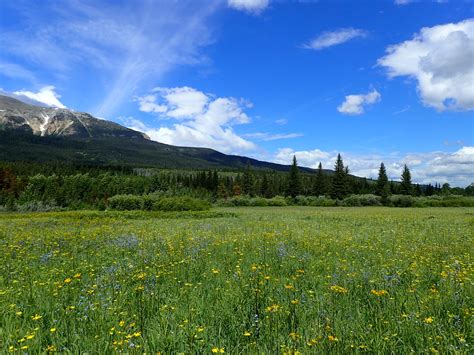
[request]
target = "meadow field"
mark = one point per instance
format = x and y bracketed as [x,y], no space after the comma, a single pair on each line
[238,280]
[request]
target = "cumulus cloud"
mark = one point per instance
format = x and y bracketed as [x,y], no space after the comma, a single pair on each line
[203,120]
[333,38]
[251,6]
[354,104]
[440,59]
[47,96]
[456,168]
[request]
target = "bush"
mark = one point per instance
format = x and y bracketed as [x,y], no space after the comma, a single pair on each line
[155,202]
[37,206]
[277,201]
[402,201]
[126,202]
[259,202]
[362,200]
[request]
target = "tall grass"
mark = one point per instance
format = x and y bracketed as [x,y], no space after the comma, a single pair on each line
[270,280]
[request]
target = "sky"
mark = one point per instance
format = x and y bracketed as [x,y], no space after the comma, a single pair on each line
[389,81]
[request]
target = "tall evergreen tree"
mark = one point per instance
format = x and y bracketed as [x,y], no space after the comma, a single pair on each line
[294,181]
[406,187]
[319,187]
[338,187]
[383,186]
[247,183]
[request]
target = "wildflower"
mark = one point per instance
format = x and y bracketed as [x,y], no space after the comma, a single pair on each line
[273,308]
[312,342]
[36,317]
[137,334]
[428,320]
[52,330]
[289,287]
[30,336]
[295,302]
[68,280]
[77,276]
[338,289]
[218,350]
[51,348]
[215,271]
[247,334]
[24,347]
[19,313]
[379,293]
[293,335]
[122,323]
[332,338]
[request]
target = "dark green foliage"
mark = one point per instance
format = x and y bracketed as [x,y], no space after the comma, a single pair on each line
[320,187]
[339,180]
[383,186]
[157,203]
[405,187]
[362,200]
[248,181]
[294,181]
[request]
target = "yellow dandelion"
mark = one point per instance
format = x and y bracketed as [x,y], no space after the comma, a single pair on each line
[379,293]
[68,280]
[36,317]
[332,338]
[218,350]
[428,320]
[338,289]
[52,330]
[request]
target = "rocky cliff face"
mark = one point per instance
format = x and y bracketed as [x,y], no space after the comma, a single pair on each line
[46,121]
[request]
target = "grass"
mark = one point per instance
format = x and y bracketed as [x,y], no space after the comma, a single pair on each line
[246,280]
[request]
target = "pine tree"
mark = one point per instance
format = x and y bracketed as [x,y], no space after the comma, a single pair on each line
[383,186]
[338,187]
[319,187]
[265,190]
[247,183]
[405,186]
[294,181]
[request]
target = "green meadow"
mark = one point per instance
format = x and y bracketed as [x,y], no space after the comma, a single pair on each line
[238,280]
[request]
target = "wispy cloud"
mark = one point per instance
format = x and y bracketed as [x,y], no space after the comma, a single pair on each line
[265,136]
[254,7]
[333,38]
[126,46]
[354,104]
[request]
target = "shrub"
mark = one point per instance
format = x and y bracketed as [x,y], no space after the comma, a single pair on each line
[362,200]
[402,201]
[259,202]
[277,201]
[126,202]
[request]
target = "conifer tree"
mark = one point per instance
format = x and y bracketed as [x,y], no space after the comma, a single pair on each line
[247,183]
[383,186]
[338,187]
[405,186]
[294,181]
[319,187]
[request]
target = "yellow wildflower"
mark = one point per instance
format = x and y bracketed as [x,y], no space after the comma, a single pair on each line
[52,330]
[36,317]
[332,338]
[428,320]
[338,289]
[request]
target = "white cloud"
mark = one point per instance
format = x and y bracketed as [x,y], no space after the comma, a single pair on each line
[456,168]
[440,59]
[47,95]
[333,38]
[281,121]
[264,136]
[354,104]
[124,46]
[251,6]
[203,120]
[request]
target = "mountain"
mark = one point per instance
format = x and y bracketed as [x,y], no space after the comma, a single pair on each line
[44,134]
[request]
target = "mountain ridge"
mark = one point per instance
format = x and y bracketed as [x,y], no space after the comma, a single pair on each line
[42,134]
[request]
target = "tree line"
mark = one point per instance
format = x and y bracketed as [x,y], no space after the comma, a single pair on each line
[91,186]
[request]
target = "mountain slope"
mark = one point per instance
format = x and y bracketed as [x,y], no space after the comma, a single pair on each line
[39,134]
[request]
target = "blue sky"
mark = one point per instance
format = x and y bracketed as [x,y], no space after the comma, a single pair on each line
[388,81]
